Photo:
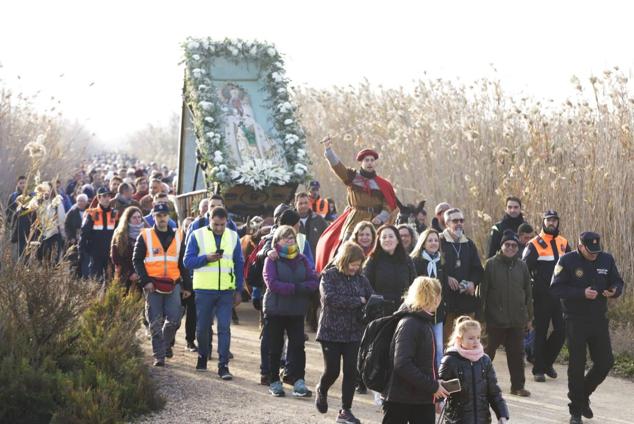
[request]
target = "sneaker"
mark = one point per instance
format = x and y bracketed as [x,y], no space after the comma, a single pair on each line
[276,389]
[191,346]
[576,419]
[378,400]
[300,390]
[551,373]
[159,362]
[520,392]
[169,353]
[587,412]
[201,365]
[540,378]
[361,389]
[265,380]
[223,372]
[346,417]
[321,401]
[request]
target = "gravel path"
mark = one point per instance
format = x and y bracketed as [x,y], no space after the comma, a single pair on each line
[194,397]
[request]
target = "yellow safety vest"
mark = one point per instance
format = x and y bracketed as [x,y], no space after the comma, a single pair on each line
[217,275]
[158,261]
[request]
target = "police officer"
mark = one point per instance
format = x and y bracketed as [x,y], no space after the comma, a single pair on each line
[584,280]
[96,234]
[541,255]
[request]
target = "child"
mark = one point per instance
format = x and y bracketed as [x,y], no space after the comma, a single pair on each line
[465,360]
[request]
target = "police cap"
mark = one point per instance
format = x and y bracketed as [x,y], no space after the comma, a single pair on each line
[591,240]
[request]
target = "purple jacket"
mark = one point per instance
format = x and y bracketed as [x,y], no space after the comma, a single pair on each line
[290,283]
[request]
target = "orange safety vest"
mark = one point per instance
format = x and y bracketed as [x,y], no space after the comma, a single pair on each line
[319,206]
[544,248]
[159,262]
[102,220]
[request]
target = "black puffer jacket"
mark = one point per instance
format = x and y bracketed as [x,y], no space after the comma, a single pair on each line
[413,378]
[390,276]
[479,390]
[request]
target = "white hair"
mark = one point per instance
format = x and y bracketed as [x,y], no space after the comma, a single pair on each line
[82,197]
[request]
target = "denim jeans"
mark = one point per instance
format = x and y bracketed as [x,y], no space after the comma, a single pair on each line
[210,303]
[438,339]
[163,312]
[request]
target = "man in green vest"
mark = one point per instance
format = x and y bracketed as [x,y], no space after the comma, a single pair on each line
[214,255]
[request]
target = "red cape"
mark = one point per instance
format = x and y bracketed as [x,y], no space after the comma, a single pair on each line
[329,240]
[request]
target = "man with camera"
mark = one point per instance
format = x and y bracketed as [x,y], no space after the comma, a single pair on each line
[158,260]
[214,254]
[584,280]
[463,267]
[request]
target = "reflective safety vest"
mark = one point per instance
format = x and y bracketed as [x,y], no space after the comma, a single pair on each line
[301,242]
[217,275]
[158,261]
[102,220]
[320,206]
[543,247]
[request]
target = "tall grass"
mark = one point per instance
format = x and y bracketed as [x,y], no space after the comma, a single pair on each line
[22,123]
[472,145]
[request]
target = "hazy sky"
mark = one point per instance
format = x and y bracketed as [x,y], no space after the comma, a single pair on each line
[114,65]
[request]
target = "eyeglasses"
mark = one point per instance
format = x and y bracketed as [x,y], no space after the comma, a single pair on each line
[511,245]
[458,220]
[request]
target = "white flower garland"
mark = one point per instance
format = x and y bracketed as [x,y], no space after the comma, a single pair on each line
[201,97]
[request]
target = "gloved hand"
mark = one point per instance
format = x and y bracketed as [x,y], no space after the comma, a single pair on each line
[257,304]
[256,295]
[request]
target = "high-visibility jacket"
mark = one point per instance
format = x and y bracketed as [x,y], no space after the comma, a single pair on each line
[158,261]
[217,275]
[544,247]
[319,206]
[102,220]
[541,254]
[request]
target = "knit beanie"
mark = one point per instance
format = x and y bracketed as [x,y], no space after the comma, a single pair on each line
[509,235]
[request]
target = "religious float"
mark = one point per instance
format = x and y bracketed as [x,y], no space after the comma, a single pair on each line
[239,134]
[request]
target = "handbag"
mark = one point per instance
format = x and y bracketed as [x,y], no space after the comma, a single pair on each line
[163,285]
[372,310]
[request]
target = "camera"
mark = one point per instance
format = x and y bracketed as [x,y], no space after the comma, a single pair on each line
[464,285]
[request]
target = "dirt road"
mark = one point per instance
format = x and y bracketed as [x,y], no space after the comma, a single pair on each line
[194,397]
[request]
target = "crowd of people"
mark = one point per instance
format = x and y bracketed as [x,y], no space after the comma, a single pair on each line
[308,268]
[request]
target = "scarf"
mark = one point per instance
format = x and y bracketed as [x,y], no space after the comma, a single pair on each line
[134,230]
[288,252]
[472,355]
[432,269]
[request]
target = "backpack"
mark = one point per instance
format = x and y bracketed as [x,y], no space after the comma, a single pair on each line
[374,362]
[254,268]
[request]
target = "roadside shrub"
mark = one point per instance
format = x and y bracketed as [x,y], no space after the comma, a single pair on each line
[68,354]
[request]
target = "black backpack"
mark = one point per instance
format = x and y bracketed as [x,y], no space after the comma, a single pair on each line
[374,362]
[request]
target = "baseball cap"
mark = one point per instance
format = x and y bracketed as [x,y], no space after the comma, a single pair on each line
[103,190]
[592,241]
[160,208]
[551,214]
